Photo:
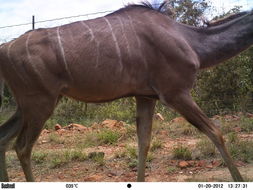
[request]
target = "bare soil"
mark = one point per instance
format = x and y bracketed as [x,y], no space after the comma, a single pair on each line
[161,168]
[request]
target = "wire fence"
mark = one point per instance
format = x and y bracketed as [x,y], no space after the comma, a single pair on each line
[9,32]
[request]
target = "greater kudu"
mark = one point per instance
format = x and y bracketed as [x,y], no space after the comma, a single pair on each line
[136,51]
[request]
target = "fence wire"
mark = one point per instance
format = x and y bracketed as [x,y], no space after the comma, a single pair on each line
[9,32]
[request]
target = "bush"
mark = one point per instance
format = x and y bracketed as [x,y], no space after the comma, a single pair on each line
[217,89]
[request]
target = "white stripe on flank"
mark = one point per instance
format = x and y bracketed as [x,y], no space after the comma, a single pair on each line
[27,48]
[63,53]
[116,43]
[10,60]
[124,35]
[138,39]
[8,51]
[90,30]
[30,57]
[95,40]
[135,33]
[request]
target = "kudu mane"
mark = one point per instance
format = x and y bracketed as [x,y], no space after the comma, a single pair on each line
[160,8]
[225,19]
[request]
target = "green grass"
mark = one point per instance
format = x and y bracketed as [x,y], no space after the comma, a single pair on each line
[155,145]
[97,157]
[55,138]
[182,128]
[61,158]
[181,152]
[6,113]
[246,124]
[206,148]
[107,136]
[69,111]
[240,149]
[39,157]
[131,155]
[102,137]
[172,169]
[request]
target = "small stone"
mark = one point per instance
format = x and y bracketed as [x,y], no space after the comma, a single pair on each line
[249,115]
[216,163]
[210,166]
[57,127]
[239,163]
[78,127]
[183,164]
[159,117]
[45,131]
[237,129]
[61,131]
[201,163]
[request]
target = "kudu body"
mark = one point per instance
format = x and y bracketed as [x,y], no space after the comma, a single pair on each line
[135,51]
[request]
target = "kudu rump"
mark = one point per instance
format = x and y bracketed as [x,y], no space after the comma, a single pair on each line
[135,51]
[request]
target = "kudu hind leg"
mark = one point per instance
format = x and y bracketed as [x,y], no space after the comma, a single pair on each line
[145,111]
[34,119]
[8,131]
[184,104]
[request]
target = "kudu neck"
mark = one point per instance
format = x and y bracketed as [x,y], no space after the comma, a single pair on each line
[216,44]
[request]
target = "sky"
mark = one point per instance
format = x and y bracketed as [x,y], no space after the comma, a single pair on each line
[14,12]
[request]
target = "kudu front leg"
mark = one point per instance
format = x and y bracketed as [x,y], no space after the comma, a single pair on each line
[145,111]
[184,104]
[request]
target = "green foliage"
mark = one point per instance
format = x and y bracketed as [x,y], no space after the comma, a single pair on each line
[181,152]
[246,124]
[59,159]
[156,144]
[70,111]
[39,157]
[103,136]
[171,169]
[188,11]
[97,157]
[56,139]
[227,87]
[107,136]
[75,155]
[240,149]
[131,152]
[206,148]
